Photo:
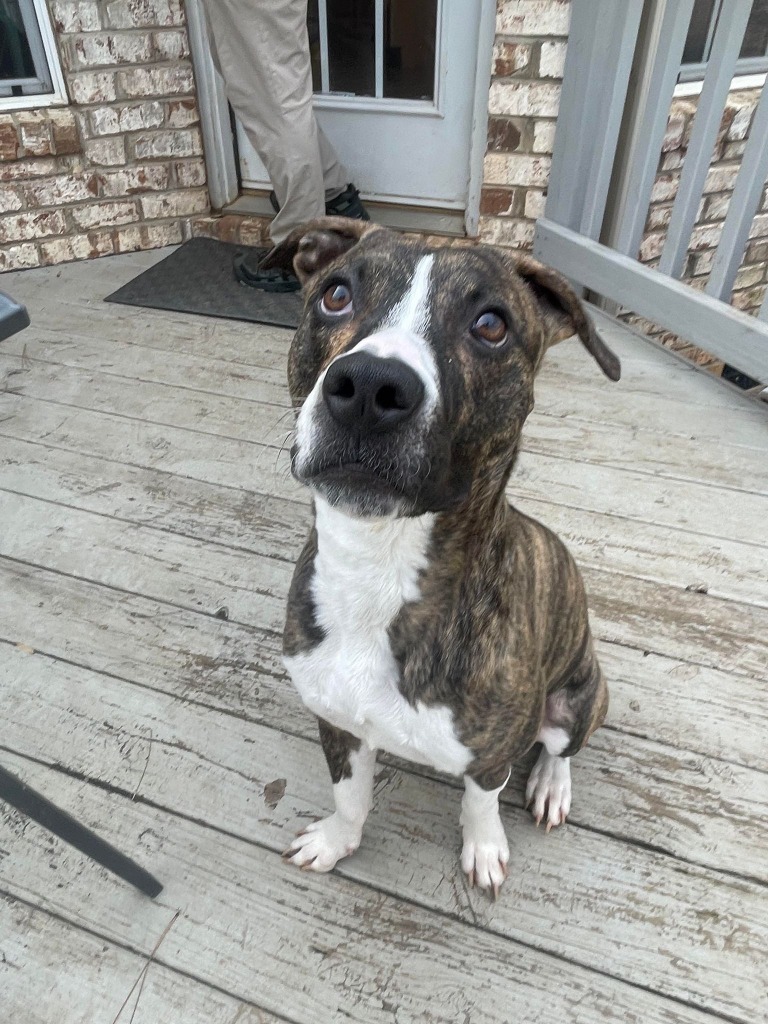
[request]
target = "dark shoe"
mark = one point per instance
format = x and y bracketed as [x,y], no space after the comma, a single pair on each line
[345,204]
[246,268]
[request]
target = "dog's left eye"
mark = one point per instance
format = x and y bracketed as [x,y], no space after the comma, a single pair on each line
[491,328]
[336,299]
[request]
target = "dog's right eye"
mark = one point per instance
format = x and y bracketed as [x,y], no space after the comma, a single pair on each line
[336,299]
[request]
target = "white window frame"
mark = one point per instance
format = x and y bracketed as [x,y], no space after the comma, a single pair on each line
[43,48]
[693,72]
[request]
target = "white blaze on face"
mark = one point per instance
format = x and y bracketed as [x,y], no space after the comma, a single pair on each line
[404,329]
[402,335]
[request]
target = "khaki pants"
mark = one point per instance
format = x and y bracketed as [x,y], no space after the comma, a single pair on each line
[261,48]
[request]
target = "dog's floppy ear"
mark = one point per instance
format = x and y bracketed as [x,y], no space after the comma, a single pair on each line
[315,244]
[564,314]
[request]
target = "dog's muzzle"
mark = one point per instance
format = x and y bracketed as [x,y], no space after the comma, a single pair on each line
[366,394]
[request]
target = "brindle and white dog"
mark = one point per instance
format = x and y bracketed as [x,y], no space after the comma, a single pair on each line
[427,617]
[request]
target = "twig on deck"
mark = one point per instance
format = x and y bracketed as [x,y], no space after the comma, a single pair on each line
[143,974]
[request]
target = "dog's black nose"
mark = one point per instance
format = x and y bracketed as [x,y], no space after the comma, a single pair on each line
[371,395]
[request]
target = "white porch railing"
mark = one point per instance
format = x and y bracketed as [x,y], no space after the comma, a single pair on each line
[621,70]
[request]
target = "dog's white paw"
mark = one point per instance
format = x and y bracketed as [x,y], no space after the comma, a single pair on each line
[485,855]
[549,789]
[321,845]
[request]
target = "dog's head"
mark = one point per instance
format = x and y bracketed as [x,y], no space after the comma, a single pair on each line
[414,365]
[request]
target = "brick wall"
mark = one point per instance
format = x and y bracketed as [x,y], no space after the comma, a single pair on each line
[528,56]
[121,167]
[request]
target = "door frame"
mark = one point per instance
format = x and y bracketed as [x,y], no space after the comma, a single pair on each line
[219,137]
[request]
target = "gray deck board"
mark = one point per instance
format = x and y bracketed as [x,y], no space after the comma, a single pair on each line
[143,487]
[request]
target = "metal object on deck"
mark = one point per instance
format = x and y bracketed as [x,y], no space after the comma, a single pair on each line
[13,316]
[27,800]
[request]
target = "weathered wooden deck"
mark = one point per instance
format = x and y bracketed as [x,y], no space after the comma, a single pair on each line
[143,489]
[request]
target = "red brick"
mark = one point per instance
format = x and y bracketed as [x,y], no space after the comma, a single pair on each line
[66,139]
[92,87]
[131,180]
[106,49]
[9,139]
[77,247]
[18,227]
[130,117]
[153,145]
[173,45]
[509,58]
[503,135]
[181,113]
[157,81]
[10,199]
[19,257]
[35,132]
[106,152]
[97,215]
[144,13]
[175,204]
[189,173]
[497,201]
[82,16]
[63,189]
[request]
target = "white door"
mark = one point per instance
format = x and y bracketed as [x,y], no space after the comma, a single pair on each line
[395,83]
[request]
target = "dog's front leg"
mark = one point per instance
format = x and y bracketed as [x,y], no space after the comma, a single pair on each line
[485,853]
[351,762]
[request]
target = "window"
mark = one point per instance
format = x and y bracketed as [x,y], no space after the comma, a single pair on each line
[30,75]
[753,58]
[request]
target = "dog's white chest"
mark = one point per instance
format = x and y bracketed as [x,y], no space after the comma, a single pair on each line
[364,573]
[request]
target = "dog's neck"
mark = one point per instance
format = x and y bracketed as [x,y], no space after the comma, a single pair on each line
[359,550]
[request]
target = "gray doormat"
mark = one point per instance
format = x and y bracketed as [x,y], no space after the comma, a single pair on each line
[198,278]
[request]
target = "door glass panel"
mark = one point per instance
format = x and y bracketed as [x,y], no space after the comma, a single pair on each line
[351,46]
[409,49]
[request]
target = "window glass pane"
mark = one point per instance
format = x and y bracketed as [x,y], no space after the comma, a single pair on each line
[351,51]
[698,33]
[15,55]
[409,49]
[756,37]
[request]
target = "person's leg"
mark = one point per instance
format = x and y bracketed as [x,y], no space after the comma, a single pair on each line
[263,53]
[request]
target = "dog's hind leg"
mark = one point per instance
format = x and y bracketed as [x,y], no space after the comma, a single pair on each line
[572,714]
[549,784]
[322,844]
[485,852]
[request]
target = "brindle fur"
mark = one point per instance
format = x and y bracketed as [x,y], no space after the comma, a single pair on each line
[337,746]
[500,634]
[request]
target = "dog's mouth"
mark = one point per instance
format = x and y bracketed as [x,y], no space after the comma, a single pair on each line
[361,488]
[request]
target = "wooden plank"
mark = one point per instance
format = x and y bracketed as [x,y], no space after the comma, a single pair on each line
[198,575]
[607,902]
[137,363]
[647,697]
[274,527]
[323,949]
[51,970]
[697,508]
[576,438]
[711,813]
[266,524]
[238,670]
[627,610]
[691,707]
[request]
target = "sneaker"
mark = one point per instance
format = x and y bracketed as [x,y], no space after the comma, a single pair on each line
[346,204]
[247,271]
